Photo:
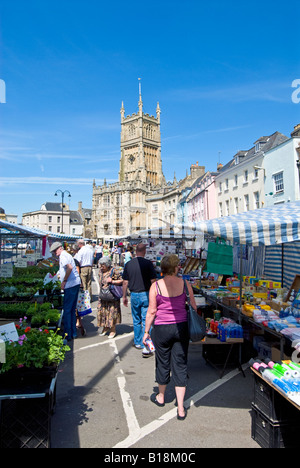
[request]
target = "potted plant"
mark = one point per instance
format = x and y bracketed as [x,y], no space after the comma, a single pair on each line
[38,351]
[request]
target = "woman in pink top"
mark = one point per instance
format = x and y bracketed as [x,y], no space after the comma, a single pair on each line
[167,299]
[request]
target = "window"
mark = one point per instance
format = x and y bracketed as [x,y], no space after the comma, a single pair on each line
[226,184]
[246,201]
[155,208]
[49,219]
[245,177]
[255,173]
[106,215]
[58,219]
[227,207]
[119,213]
[236,205]
[278,182]
[106,201]
[256,200]
[220,187]
[220,209]
[235,180]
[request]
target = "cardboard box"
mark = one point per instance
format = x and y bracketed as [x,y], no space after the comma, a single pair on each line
[276,357]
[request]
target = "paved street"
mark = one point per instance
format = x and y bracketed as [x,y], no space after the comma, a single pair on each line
[103,398]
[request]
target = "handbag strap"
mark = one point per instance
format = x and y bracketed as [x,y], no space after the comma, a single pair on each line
[187,291]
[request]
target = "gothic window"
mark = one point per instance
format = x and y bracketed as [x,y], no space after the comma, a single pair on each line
[148,131]
[106,201]
[131,131]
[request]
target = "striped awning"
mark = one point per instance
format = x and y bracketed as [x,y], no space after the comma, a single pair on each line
[267,226]
[30,231]
[178,231]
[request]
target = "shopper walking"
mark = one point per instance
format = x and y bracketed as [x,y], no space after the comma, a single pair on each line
[170,336]
[128,254]
[98,253]
[70,283]
[138,275]
[109,308]
[85,257]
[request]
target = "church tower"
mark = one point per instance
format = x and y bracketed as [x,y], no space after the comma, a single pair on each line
[141,147]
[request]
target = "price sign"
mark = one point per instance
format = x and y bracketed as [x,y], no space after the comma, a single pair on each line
[9,332]
[21,263]
[6,270]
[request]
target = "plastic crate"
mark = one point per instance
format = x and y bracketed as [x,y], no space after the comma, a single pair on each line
[25,423]
[270,435]
[273,405]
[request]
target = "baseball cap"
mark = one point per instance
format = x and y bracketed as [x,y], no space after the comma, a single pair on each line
[55,246]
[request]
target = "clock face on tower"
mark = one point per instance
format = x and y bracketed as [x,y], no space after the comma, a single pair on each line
[131,159]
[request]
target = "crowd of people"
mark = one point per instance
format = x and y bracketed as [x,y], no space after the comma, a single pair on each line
[158,305]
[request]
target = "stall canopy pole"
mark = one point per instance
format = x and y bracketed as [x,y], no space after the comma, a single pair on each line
[241,278]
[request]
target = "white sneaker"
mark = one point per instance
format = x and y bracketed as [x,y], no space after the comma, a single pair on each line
[146,353]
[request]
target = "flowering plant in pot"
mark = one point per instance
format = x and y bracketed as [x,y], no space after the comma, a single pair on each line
[36,348]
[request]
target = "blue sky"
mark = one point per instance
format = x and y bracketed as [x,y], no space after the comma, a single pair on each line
[221,70]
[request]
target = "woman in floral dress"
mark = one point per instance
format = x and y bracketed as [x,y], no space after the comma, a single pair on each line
[109,308]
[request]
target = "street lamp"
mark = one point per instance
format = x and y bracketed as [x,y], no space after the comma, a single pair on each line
[62,205]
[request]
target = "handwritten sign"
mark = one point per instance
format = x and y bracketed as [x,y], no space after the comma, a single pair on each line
[9,332]
[6,270]
[21,263]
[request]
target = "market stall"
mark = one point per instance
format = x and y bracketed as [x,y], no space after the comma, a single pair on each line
[181,239]
[17,240]
[271,310]
[267,226]
[31,343]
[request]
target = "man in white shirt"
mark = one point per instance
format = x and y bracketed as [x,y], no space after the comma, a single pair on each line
[70,283]
[85,257]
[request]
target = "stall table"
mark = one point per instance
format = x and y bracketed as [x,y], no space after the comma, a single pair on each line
[230,342]
[235,313]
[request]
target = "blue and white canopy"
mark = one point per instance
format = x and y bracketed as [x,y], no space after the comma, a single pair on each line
[30,231]
[267,226]
[172,231]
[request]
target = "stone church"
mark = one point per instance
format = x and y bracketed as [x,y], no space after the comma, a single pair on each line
[141,198]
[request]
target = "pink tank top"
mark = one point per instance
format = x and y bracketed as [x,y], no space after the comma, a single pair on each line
[170,309]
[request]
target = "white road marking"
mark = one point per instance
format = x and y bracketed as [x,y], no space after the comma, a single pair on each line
[137,433]
[156,424]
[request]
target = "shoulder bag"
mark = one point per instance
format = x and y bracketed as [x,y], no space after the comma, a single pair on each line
[117,291]
[196,324]
[106,294]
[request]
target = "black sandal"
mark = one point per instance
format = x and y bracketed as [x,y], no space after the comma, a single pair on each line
[154,400]
[182,418]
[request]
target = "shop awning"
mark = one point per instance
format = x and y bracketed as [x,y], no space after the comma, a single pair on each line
[267,226]
[12,228]
[178,231]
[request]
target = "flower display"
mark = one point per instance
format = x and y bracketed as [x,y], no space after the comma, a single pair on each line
[35,348]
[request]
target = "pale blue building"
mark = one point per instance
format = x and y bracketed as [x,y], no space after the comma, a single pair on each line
[282,168]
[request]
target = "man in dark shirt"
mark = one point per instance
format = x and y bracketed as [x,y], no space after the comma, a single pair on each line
[138,276]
